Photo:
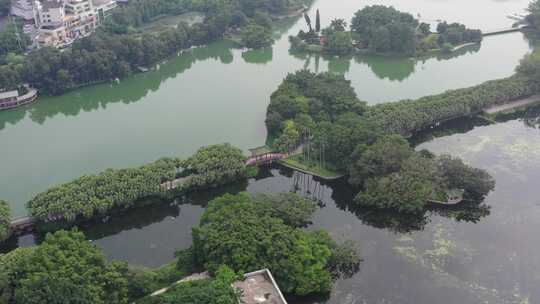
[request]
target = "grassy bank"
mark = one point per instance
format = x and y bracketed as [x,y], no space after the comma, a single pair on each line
[311,168]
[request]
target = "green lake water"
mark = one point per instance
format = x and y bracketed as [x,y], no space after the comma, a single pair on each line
[218,94]
[215,94]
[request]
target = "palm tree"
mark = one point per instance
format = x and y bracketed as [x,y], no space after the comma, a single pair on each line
[308,21]
[338,25]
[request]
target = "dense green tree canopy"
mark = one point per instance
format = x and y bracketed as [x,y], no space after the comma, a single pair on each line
[533,18]
[457,175]
[320,96]
[406,189]
[65,268]
[410,179]
[256,36]
[385,156]
[291,208]
[342,133]
[529,66]
[11,37]
[216,165]
[456,33]
[101,194]
[94,195]
[338,42]
[5,220]
[12,264]
[385,29]
[248,234]
[408,116]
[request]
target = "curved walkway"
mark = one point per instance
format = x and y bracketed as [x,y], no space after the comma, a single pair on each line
[512,105]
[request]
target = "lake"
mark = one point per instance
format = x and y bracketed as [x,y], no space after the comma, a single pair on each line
[218,94]
[485,253]
[471,253]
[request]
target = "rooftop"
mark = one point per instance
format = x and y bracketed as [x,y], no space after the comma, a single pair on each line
[101,2]
[9,94]
[51,4]
[259,287]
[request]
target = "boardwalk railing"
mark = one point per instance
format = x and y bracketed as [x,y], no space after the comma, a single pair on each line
[21,225]
[266,158]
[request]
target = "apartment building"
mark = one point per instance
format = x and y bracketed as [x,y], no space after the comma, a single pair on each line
[60,22]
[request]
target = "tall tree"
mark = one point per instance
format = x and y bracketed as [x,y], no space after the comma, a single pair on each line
[318,22]
[338,25]
[308,21]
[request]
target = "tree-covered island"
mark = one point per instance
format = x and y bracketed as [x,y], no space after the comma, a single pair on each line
[317,114]
[237,234]
[321,115]
[383,30]
[113,191]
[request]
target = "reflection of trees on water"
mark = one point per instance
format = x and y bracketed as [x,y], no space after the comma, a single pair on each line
[470,212]
[384,67]
[127,91]
[529,116]
[391,68]
[343,195]
[138,86]
[404,223]
[393,221]
[447,128]
[307,186]
[259,56]
[11,117]
[155,212]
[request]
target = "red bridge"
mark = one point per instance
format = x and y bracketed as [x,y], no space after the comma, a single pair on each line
[263,155]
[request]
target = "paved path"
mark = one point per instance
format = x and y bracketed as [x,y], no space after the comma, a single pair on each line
[193,277]
[504,30]
[514,104]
